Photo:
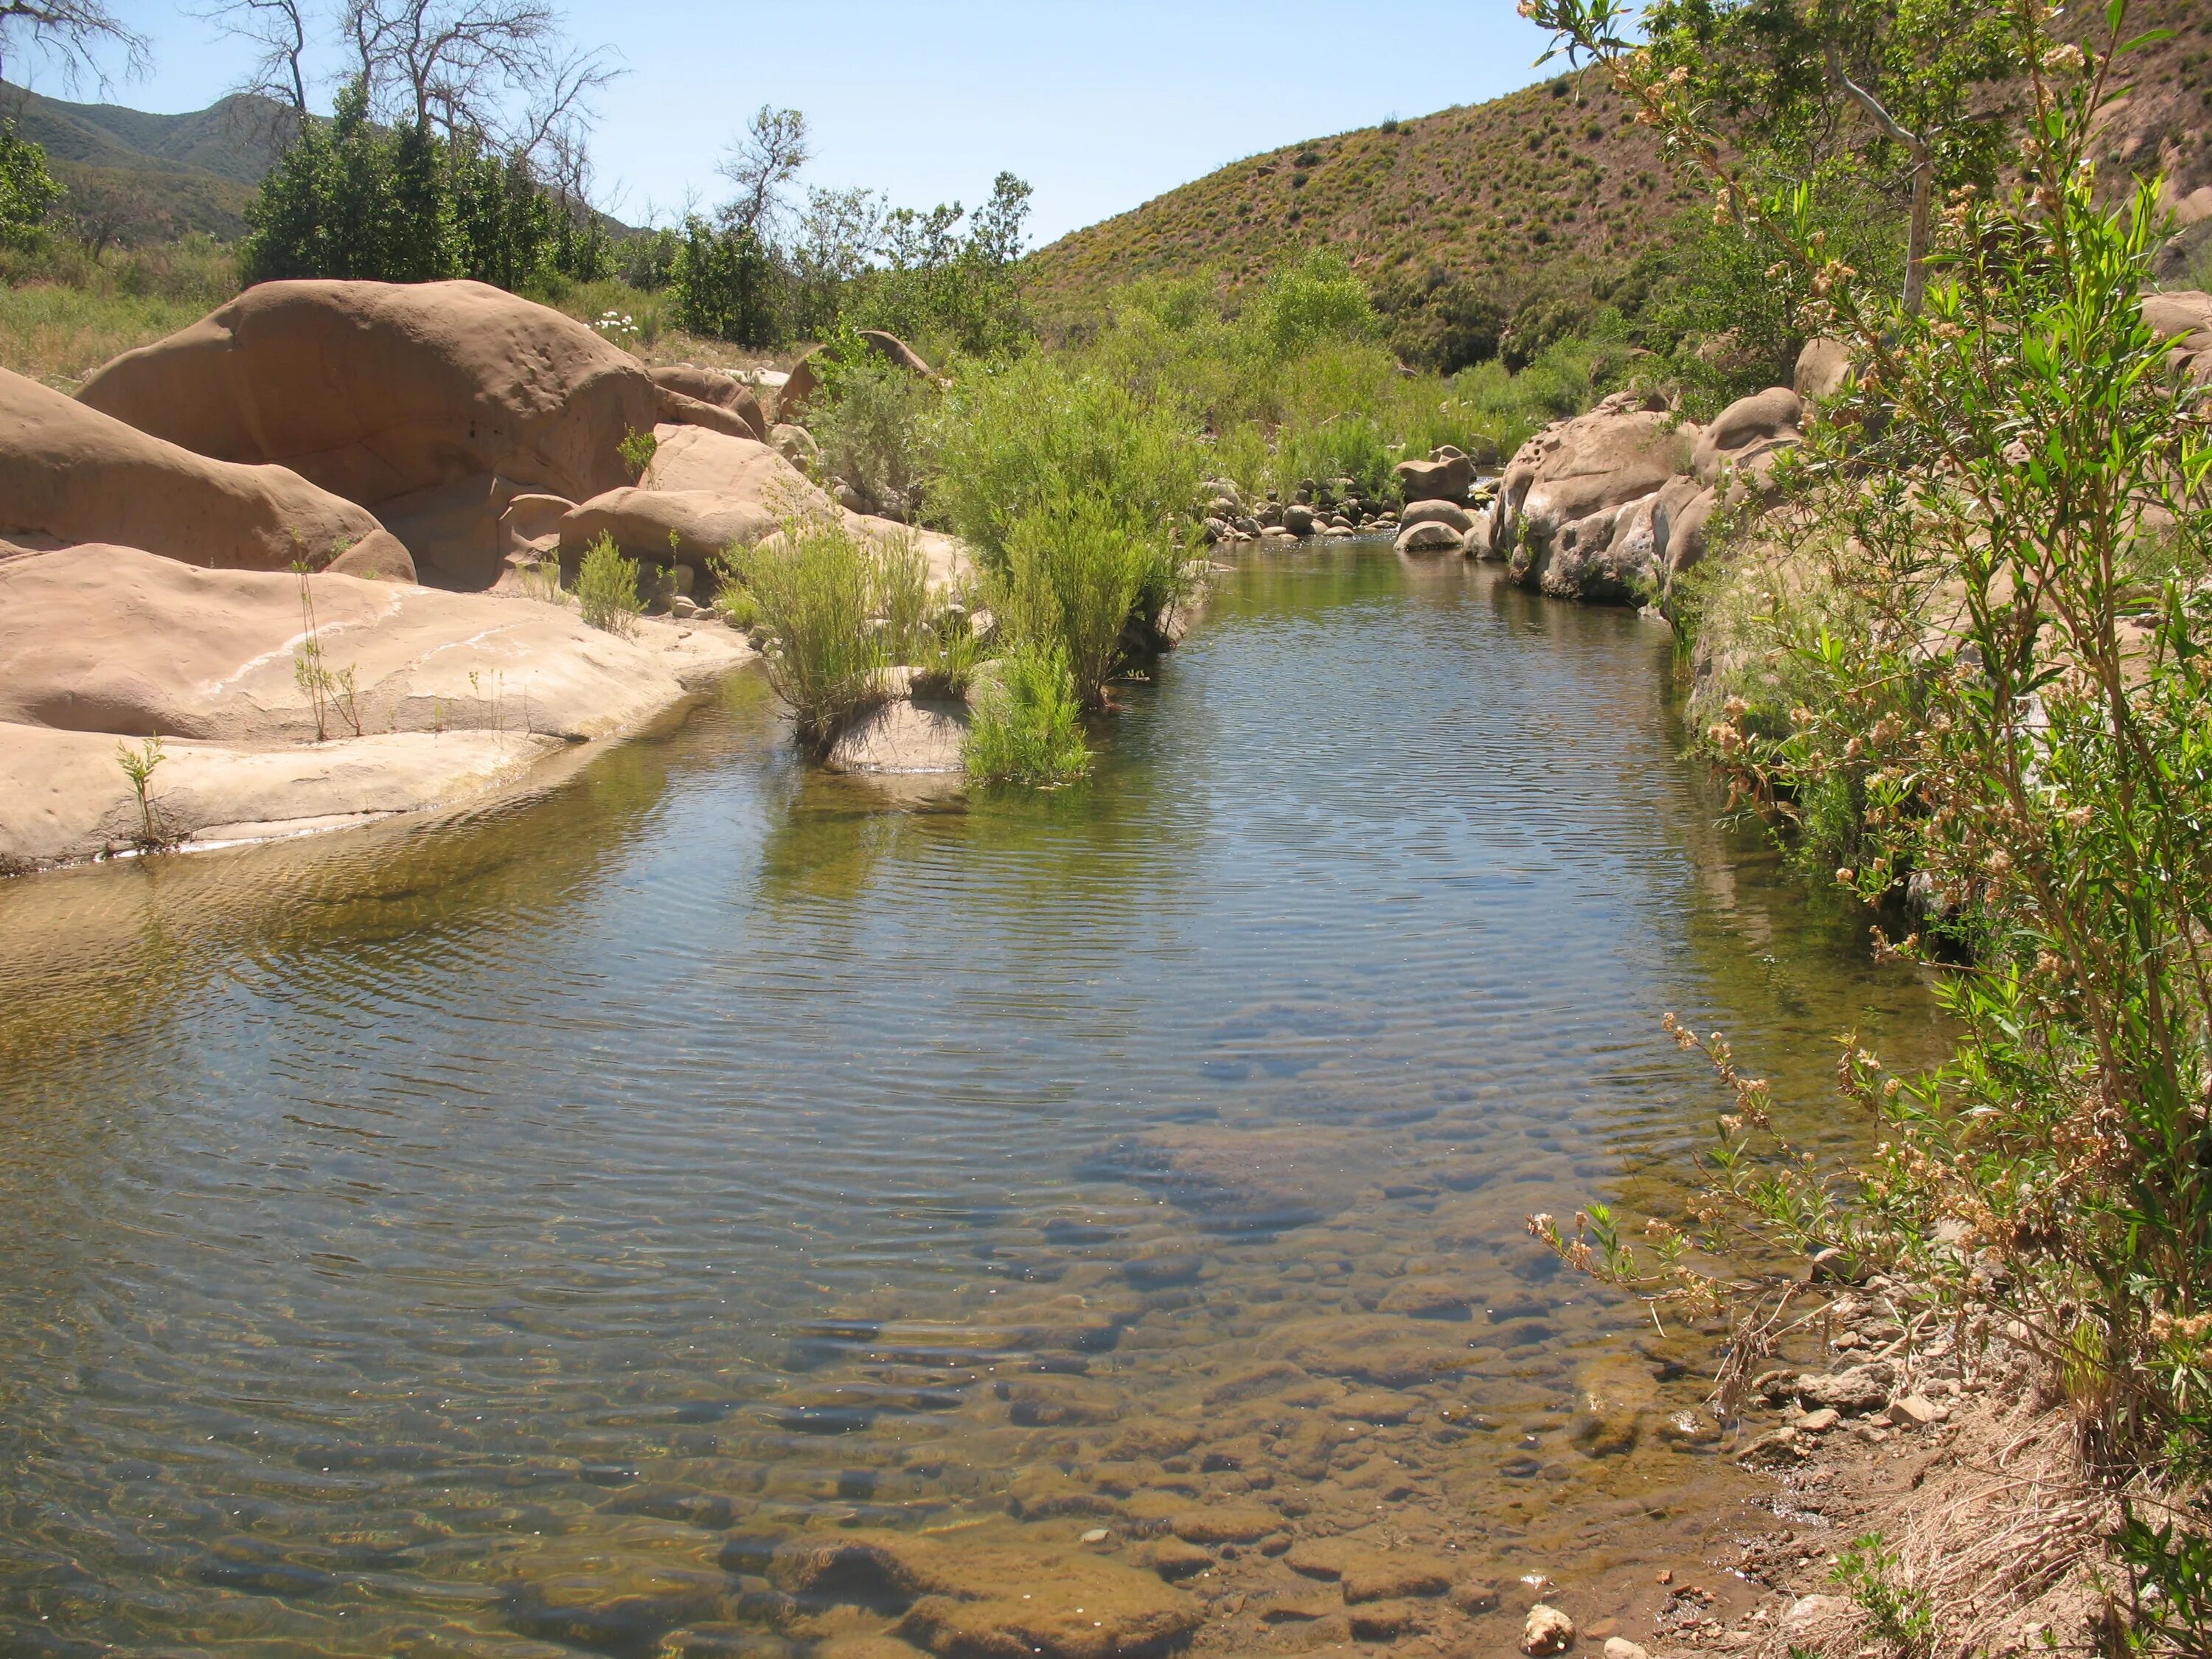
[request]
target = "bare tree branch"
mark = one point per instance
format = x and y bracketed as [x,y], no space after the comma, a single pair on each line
[760,163]
[556,121]
[279,27]
[460,62]
[73,33]
[1924,178]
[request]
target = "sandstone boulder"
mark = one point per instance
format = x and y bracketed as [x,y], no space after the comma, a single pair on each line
[450,694]
[1446,512]
[721,391]
[675,408]
[116,641]
[69,475]
[1822,367]
[1585,468]
[1446,478]
[1746,430]
[665,527]
[1430,536]
[62,797]
[796,445]
[690,458]
[375,391]
[2184,316]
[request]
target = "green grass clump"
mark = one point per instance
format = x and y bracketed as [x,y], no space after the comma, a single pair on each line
[1028,725]
[1076,576]
[840,610]
[607,587]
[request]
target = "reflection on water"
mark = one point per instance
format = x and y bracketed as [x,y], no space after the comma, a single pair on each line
[496,1238]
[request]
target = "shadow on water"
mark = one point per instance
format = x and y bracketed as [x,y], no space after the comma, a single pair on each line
[408,1227]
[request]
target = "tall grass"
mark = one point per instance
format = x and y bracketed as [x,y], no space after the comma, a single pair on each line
[1016,437]
[63,313]
[607,587]
[839,610]
[1077,575]
[1027,724]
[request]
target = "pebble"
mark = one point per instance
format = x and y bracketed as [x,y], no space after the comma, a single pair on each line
[1818,1422]
[1547,1631]
[1097,1535]
[1913,1411]
[1619,1647]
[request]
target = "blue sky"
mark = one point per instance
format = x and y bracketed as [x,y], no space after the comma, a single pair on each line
[1099,105]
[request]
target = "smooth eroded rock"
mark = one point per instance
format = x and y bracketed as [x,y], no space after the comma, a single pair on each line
[71,474]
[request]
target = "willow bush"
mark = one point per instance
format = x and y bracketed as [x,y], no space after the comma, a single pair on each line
[2014,490]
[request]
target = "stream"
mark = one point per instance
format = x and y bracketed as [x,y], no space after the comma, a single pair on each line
[498,1237]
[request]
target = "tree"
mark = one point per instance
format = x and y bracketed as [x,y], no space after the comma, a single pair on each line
[279,28]
[938,280]
[838,235]
[761,163]
[724,281]
[464,64]
[28,190]
[1803,86]
[73,33]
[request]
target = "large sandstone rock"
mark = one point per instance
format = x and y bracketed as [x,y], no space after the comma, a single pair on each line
[708,490]
[117,641]
[713,388]
[905,737]
[452,693]
[1822,367]
[69,474]
[665,527]
[1430,536]
[1745,431]
[2184,316]
[692,457]
[1585,468]
[1444,513]
[378,390]
[62,797]
[1446,478]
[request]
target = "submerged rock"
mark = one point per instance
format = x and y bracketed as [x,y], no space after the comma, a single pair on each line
[987,1594]
[1394,1354]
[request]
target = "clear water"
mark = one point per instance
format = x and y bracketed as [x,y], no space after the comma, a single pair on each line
[699,1146]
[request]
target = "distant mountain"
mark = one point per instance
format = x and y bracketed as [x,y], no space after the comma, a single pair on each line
[164,174]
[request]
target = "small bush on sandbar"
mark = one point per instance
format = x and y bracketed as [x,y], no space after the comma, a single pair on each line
[839,610]
[1028,726]
[1077,575]
[606,587]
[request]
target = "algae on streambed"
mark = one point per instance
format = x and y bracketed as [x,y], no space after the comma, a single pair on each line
[704,1206]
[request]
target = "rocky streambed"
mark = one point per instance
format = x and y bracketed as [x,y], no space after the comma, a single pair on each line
[709,1206]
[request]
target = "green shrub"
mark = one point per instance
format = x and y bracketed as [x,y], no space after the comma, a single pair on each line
[871,420]
[607,587]
[839,611]
[1077,575]
[1028,725]
[28,189]
[1012,438]
[725,284]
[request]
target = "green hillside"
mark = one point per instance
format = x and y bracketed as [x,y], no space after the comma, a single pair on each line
[1549,191]
[1546,187]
